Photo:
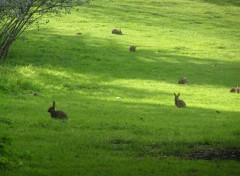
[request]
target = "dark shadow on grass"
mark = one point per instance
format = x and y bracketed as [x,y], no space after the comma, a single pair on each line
[224,2]
[110,60]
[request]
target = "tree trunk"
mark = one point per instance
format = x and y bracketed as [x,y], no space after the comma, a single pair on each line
[5,48]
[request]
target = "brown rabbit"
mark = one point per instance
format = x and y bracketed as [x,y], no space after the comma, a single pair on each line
[179,103]
[57,114]
[116,31]
[235,90]
[132,48]
[183,81]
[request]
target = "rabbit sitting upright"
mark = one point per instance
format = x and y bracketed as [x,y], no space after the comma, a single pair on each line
[57,114]
[179,103]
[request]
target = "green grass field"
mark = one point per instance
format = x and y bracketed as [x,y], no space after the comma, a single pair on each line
[122,116]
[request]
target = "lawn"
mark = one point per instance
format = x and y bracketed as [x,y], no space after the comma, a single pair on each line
[122,115]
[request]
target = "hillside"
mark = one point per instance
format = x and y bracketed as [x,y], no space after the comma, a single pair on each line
[122,115]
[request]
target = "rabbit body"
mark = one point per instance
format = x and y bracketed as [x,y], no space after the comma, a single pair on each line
[235,90]
[57,114]
[132,48]
[183,81]
[179,103]
[116,31]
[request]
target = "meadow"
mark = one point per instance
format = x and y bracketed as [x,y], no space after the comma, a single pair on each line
[122,116]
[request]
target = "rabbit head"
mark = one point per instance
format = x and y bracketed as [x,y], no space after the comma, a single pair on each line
[179,103]
[52,108]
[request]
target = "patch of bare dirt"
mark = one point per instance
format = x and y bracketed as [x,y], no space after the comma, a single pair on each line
[191,152]
[215,154]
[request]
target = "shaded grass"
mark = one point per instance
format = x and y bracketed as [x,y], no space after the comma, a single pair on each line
[223,3]
[145,65]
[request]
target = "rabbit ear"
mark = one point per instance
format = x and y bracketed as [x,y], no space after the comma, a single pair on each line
[174,94]
[53,103]
[178,94]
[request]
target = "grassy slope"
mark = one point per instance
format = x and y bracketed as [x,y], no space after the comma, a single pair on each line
[138,133]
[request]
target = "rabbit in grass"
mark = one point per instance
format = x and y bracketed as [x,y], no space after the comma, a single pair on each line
[179,103]
[117,31]
[57,114]
[235,90]
[183,81]
[132,48]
